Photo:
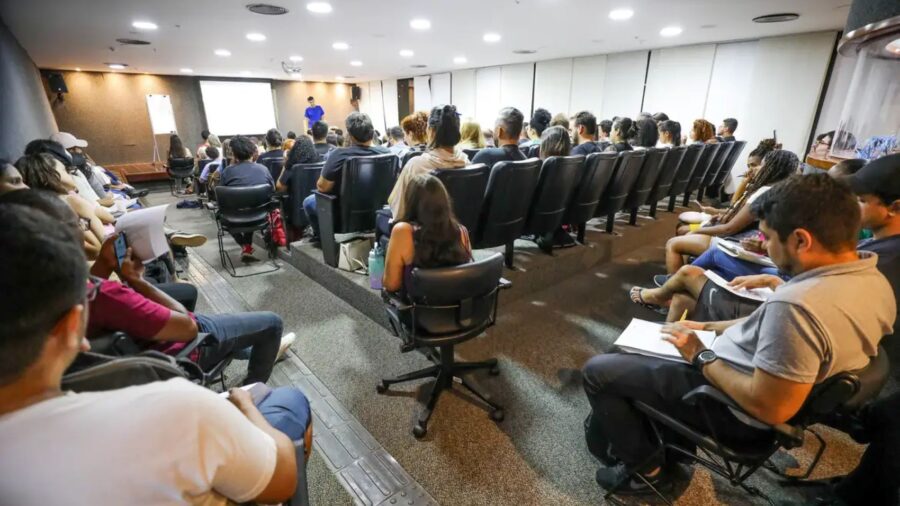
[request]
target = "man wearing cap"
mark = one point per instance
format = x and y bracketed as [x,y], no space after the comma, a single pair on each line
[79,159]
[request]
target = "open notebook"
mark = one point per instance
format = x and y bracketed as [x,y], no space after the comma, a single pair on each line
[645,338]
[736,250]
[757,294]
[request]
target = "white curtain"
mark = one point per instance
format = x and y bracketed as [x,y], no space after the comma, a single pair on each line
[553,85]
[678,80]
[487,95]
[588,76]
[463,92]
[421,93]
[623,84]
[516,87]
[391,104]
[440,89]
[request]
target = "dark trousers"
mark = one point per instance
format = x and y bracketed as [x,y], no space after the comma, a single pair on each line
[243,238]
[875,480]
[614,380]
[260,330]
[184,293]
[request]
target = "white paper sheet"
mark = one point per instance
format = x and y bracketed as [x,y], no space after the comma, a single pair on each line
[144,232]
[736,250]
[645,338]
[757,294]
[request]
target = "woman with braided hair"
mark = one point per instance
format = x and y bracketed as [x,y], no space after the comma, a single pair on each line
[776,166]
[754,161]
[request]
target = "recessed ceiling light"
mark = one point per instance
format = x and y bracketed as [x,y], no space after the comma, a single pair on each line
[222,52]
[341,46]
[295,58]
[491,37]
[77,69]
[406,53]
[256,37]
[117,66]
[266,9]
[670,31]
[524,51]
[144,25]
[620,14]
[187,71]
[339,78]
[418,66]
[420,24]
[459,60]
[356,63]
[319,7]
[246,73]
[776,18]
[133,42]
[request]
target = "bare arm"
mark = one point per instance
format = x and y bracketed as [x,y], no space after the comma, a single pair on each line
[324,185]
[743,219]
[281,187]
[399,254]
[85,210]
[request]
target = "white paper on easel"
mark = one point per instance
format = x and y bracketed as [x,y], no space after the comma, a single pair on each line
[144,232]
[162,118]
[645,338]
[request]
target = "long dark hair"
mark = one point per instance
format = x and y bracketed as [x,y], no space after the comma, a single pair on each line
[555,141]
[303,151]
[437,234]
[624,129]
[39,172]
[444,122]
[647,133]
[777,165]
[672,128]
[176,147]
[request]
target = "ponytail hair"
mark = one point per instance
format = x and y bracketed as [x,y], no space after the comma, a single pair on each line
[625,129]
[444,122]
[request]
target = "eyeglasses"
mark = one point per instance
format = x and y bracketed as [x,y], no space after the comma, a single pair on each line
[96,282]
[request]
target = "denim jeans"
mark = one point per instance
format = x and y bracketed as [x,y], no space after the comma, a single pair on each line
[287,410]
[309,205]
[260,330]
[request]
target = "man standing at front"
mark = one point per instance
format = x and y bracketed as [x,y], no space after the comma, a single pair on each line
[313,112]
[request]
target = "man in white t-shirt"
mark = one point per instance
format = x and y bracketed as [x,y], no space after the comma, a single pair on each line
[167,442]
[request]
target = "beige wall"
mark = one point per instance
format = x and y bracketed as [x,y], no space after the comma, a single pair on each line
[109,110]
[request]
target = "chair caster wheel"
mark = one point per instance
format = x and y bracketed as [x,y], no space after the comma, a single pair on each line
[497,415]
[494,371]
[381,388]
[419,431]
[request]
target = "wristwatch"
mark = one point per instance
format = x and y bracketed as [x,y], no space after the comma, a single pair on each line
[704,358]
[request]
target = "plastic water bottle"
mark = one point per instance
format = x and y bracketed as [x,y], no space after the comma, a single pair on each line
[376,266]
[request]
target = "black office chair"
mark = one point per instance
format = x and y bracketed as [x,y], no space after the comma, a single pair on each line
[534,151]
[445,307]
[471,153]
[274,165]
[683,173]
[244,209]
[736,150]
[466,188]
[598,171]
[407,157]
[557,182]
[625,175]
[365,185]
[646,181]
[301,184]
[666,175]
[507,199]
[179,169]
[715,167]
[700,170]
[845,392]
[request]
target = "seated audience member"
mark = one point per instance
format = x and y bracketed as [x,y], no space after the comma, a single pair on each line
[320,135]
[877,146]
[304,151]
[702,132]
[669,134]
[768,362]
[660,117]
[846,168]
[507,128]
[560,119]
[177,149]
[426,234]
[488,138]
[415,130]
[470,135]
[524,139]
[737,219]
[604,131]
[245,172]
[555,142]
[442,153]
[584,133]
[647,134]
[622,130]
[215,163]
[82,163]
[213,140]
[10,178]
[286,146]
[291,135]
[237,451]
[754,162]
[273,146]
[397,142]
[201,149]
[74,180]
[726,130]
[360,132]
[540,120]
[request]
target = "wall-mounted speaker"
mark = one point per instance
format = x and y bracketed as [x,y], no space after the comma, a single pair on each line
[355,92]
[57,83]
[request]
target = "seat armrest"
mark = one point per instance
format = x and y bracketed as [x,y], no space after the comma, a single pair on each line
[505,283]
[187,350]
[694,397]
[393,299]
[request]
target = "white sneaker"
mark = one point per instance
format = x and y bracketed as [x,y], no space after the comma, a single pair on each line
[286,341]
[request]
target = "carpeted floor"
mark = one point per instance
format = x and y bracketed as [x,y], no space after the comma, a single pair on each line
[537,455]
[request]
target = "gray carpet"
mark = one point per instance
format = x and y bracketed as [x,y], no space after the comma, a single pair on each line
[537,455]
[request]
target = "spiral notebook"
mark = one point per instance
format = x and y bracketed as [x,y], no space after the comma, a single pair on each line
[645,338]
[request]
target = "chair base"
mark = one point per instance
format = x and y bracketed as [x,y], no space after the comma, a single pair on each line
[228,264]
[446,371]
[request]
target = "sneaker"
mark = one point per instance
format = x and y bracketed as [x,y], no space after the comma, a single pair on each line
[629,484]
[187,240]
[246,252]
[286,341]
[660,279]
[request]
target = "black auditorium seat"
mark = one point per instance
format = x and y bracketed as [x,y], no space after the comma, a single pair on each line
[409,156]
[466,187]
[301,184]
[534,151]
[717,164]
[274,165]
[733,155]
[700,170]
[365,185]
[628,168]
[683,173]
[557,181]
[507,198]
[653,160]
[598,171]
[666,175]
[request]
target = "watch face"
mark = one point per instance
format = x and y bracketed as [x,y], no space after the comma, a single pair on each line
[706,356]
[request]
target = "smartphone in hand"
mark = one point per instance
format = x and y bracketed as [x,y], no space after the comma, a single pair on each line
[121,247]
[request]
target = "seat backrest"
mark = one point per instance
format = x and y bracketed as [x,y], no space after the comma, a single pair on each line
[455,299]
[244,202]
[653,160]
[471,153]
[717,163]
[274,165]
[508,195]
[201,164]
[365,185]
[685,168]
[534,151]
[94,372]
[300,185]
[409,156]
[628,168]
[466,187]
[597,172]
[181,167]
[730,160]
[556,183]
[666,174]
[703,164]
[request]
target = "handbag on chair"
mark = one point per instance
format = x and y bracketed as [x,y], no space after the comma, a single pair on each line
[354,255]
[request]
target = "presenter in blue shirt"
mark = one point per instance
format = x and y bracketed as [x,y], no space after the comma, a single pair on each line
[313,112]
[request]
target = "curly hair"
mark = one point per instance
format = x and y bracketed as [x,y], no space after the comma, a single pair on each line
[764,147]
[303,151]
[416,125]
[703,130]
[39,172]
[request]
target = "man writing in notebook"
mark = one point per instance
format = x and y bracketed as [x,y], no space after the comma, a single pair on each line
[827,319]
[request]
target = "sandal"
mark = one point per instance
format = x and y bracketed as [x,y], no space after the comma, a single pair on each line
[637,298]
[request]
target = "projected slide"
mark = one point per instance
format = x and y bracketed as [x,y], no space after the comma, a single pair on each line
[234,107]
